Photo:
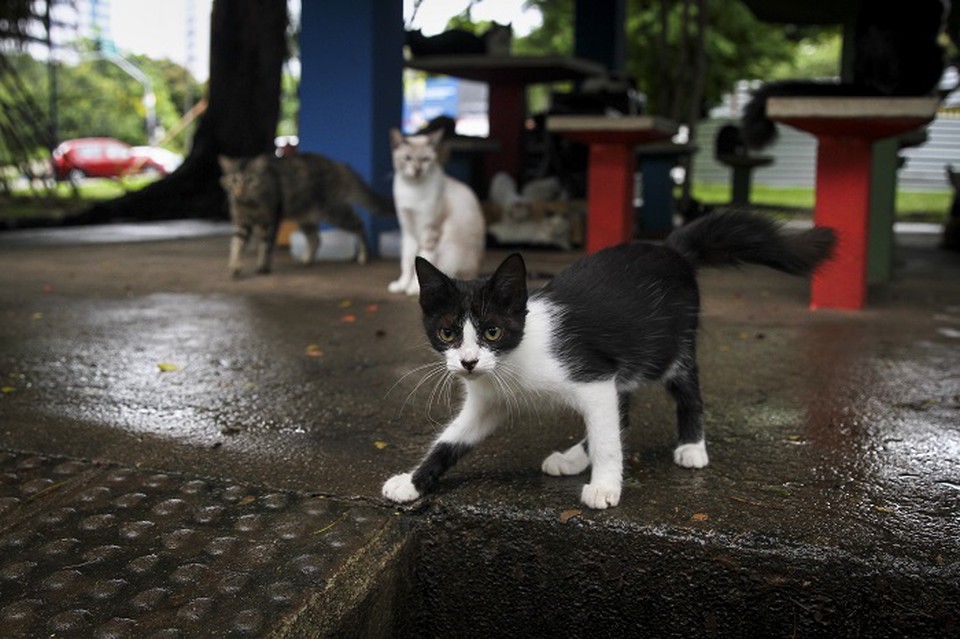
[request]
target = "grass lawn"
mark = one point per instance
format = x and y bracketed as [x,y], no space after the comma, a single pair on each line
[63,201]
[925,206]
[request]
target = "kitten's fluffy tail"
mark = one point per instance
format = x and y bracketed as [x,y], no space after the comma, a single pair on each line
[366,197]
[734,237]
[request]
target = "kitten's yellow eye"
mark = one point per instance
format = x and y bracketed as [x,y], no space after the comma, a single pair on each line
[446,335]
[492,333]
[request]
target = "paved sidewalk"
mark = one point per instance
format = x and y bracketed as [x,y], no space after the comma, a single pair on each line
[188,456]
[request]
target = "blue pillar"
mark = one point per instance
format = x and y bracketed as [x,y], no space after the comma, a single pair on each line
[351,89]
[599,32]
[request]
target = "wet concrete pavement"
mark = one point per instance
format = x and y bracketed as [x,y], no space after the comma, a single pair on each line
[247,474]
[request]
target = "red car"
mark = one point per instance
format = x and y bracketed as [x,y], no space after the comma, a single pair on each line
[99,157]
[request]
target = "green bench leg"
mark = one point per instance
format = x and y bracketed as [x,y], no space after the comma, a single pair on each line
[883,190]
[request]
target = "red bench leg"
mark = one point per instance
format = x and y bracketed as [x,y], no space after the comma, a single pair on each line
[843,203]
[609,195]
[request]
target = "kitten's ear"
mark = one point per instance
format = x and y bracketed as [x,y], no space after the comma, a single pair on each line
[227,165]
[508,285]
[396,138]
[436,288]
[435,138]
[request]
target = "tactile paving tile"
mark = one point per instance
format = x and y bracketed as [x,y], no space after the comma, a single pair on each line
[87,551]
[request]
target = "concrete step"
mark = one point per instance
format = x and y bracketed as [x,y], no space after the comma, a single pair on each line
[108,551]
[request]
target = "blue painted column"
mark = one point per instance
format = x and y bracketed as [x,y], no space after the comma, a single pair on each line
[351,89]
[599,32]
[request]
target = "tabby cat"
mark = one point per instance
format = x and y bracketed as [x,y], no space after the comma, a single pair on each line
[307,188]
[608,324]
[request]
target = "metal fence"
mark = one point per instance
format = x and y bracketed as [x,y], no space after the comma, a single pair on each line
[795,157]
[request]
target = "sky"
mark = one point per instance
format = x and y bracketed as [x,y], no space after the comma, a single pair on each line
[433,15]
[158,28]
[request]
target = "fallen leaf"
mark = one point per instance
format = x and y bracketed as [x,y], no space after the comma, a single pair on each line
[345,304]
[167,367]
[699,517]
[48,288]
[372,308]
[7,389]
[794,438]
[348,319]
[883,509]
[314,351]
[37,316]
[744,500]
[567,515]
[330,525]
[249,499]
[777,490]
[380,444]
[744,335]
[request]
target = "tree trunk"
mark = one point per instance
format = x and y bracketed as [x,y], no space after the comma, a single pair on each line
[247,50]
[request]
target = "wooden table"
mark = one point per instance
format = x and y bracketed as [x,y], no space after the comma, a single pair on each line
[610,169]
[846,129]
[508,78]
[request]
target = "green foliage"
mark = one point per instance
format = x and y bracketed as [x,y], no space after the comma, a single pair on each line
[817,55]
[289,104]
[555,35]
[97,98]
[737,46]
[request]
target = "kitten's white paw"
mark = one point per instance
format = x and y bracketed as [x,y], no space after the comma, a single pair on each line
[571,462]
[691,455]
[600,496]
[400,488]
[396,287]
[413,289]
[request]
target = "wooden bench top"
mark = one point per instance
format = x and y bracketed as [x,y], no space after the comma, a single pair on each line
[859,108]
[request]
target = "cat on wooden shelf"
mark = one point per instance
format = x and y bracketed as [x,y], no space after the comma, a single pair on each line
[896,52]
[307,188]
[495,41]
[440,217]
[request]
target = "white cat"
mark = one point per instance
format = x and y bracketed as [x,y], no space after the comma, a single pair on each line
[440,217]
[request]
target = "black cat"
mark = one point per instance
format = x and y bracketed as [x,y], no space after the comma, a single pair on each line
[896,53]
[495,41]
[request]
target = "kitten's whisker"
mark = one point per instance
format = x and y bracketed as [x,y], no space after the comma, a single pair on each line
[438,369]
[442,386]
[508,383]
[406,375]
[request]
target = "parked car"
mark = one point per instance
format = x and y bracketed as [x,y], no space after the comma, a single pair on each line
[158,155]
[99,157]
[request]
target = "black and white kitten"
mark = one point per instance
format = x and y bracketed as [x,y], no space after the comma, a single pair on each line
[599,330]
